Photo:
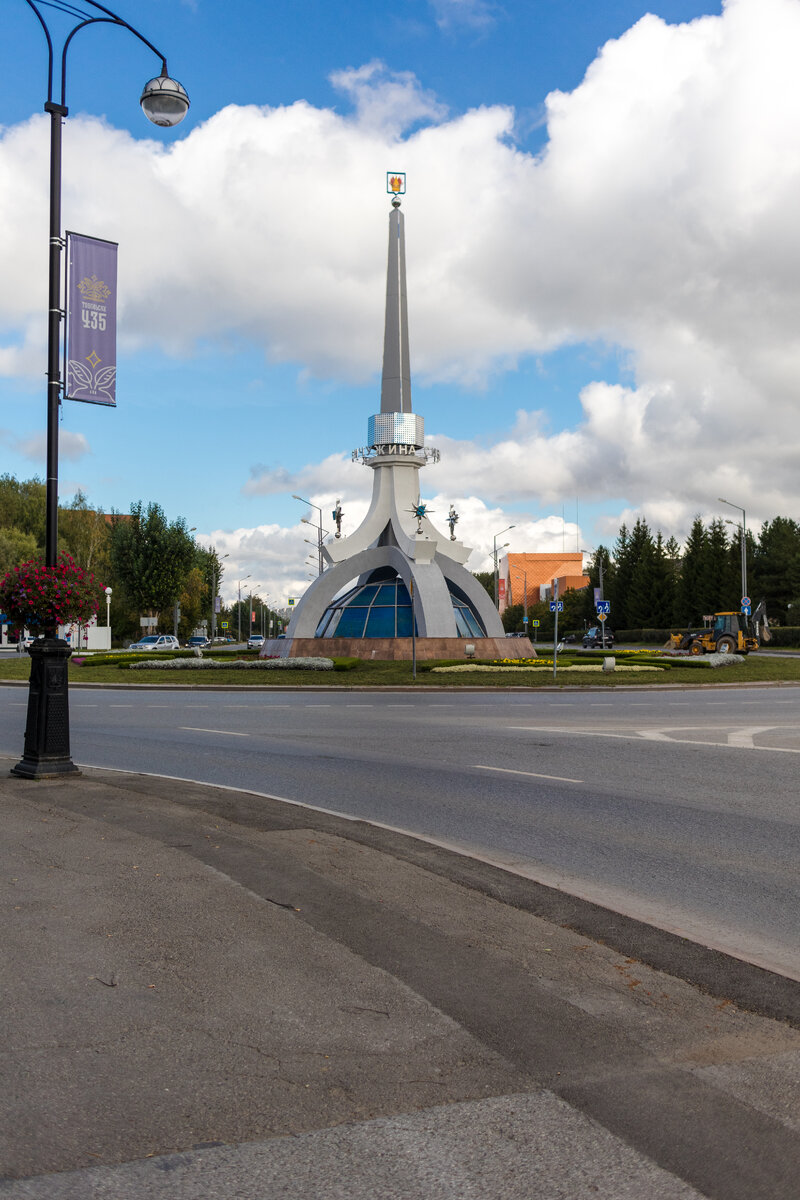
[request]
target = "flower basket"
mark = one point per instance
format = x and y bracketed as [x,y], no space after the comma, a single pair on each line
[40,598]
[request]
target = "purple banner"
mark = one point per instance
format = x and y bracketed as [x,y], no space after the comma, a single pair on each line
[91,369]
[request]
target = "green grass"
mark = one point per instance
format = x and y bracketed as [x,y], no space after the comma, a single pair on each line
[396,674]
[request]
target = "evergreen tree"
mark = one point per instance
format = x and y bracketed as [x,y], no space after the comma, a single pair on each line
[721,583]
[617,585]
[776,567]
[692,600]
[642,577]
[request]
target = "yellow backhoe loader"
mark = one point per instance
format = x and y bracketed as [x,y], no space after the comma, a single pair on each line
[723,633]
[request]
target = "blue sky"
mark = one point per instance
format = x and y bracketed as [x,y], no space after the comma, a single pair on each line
[601,236]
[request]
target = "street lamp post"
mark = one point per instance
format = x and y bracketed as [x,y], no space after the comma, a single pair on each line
[494,559]
[216,576]
[250,613]
[164,101]
[319,529]
[743,532]
[108,614]
[241,581]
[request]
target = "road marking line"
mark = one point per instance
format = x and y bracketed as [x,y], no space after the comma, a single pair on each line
[744,737]
[122,706]
[531,774]
[656,735]
[227,732]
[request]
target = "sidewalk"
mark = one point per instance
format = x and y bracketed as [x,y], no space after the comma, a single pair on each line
[212,994]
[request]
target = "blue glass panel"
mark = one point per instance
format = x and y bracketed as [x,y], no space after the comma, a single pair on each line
[462,629]
[402,593]
[404,621]
[351,622]
[386,595]
[381,622]
[466,625]
[474,628]
[325,623]
[367,593]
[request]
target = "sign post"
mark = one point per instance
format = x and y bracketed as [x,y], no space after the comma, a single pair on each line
[603,609]
[556,606]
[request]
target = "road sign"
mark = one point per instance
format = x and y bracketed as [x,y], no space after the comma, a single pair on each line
[601,616]
[558,603]
[604,607]
[746,609]
[223,624]
[746,601]
[535,624]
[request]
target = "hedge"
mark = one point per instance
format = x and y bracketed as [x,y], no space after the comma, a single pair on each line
[782,635]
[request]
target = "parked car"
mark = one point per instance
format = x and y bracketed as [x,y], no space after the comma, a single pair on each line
[595,637]
[255,641]
[198,640]
[156,641]
[23,643]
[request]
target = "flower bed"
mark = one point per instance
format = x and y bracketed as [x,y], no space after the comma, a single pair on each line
[238,664]
[581,667]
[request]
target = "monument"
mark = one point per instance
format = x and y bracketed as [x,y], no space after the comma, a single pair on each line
[397,586]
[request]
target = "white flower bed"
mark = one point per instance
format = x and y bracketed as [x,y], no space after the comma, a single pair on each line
[238,664]
[539,670]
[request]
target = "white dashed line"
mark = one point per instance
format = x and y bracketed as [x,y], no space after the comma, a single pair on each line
[226,732]
[530,774]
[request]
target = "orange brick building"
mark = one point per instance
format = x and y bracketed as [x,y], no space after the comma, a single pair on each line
[537,574]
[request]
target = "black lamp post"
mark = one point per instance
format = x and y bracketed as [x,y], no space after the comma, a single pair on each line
[164,102]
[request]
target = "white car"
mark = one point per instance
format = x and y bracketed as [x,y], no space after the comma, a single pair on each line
[156,641]
[255,641]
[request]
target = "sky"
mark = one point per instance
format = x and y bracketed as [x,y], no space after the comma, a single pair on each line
[603,264]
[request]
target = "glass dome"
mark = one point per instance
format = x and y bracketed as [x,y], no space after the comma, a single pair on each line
[381,608]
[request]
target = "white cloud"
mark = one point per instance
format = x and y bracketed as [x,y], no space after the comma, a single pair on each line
[471,14]
[72,446]
[660,218]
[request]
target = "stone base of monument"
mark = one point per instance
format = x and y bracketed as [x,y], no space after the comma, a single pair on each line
[394,649]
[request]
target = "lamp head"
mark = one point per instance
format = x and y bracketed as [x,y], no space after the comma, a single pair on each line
[164,101]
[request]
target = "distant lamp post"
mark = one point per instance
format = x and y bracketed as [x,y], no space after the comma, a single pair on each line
[216,576]
[494,559]
[743,532]
[108,614]
[165,102]
[318,527]
[241,581]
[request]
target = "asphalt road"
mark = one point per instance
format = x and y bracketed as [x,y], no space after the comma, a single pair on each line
[681,808]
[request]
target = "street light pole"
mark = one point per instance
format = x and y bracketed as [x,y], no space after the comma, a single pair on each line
[164,101]
[494,558]
[318,527]
[743,532]
[241,581]
[216,576]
